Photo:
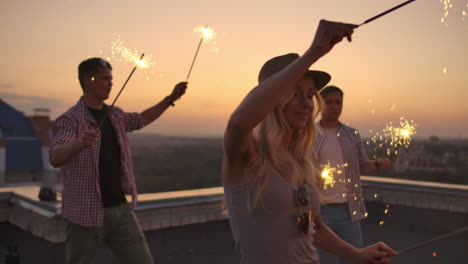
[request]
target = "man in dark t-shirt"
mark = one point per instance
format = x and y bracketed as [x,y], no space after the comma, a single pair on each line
[90,145]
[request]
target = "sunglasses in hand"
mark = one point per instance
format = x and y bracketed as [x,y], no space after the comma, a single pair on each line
[305,215]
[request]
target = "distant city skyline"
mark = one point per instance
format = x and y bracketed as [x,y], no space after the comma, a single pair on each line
[410,63]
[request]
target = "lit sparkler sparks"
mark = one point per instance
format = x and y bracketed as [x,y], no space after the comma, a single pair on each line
[207,35]
[393,137]
[121,53]
[448,5]
[372,111]
[386,211]
[124,54]
[328,174]
[400,135]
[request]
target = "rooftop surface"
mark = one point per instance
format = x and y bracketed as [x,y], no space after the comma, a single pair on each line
[190,227]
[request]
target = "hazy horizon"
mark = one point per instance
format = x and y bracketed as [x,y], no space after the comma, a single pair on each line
[220,136]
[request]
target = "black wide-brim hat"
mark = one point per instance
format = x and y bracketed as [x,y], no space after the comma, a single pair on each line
[278,63]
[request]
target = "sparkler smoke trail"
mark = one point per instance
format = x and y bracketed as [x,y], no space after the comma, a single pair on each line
[206,35]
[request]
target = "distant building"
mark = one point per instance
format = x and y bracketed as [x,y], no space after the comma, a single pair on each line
[419,158]
[24,143]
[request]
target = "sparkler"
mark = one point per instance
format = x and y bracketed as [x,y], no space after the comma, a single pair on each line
[328,174]
[386,12]
[393,137]
[400,136]
[109,110]
[447,5]
[453,233]
[124,54]
[390,140]
[206,34]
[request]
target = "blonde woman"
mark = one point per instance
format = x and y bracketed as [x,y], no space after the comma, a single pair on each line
[270,178]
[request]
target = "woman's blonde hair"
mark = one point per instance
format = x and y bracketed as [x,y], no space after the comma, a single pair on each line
[298,160]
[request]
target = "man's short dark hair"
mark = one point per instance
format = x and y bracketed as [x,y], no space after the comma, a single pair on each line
[90,67]
[330,89]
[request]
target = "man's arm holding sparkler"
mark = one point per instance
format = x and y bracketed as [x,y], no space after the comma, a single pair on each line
[153,113]
[367,166]
[371,166]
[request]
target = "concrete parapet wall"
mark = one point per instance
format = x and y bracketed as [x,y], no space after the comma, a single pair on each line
[5,206]
[424,195]
[48,226]
[160,218]
[21,207]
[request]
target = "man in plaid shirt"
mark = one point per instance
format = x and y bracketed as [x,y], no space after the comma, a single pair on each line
[339,146]
[90,145]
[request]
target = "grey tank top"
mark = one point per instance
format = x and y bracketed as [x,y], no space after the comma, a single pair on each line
[270,234]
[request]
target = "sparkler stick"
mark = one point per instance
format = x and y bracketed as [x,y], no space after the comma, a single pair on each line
[386,12]
[121,89]
[206,34]
[453,233]
[195,57]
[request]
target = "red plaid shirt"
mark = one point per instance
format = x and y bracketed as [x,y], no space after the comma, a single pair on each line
[81,197]
[355,157]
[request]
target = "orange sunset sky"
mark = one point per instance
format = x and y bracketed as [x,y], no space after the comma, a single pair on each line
[396,62]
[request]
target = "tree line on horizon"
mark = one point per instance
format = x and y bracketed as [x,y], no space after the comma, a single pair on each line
[164,164]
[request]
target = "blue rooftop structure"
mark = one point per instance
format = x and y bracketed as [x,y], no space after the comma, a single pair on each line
[13,123]
[22,148]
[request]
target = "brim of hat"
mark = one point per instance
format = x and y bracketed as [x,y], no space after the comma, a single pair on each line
[321,78]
